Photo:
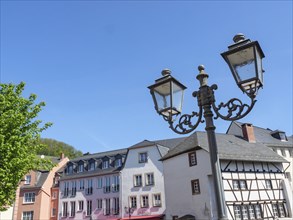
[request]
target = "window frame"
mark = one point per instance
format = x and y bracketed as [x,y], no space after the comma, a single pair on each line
[154,200]
[144,201]
[29,195]
[141,158]
[192,158]
[147,182]
[195,191]
[133,201]
[29,215]
[135,182]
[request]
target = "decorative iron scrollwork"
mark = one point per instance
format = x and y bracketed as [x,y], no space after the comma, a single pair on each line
[235,109]
[186,122]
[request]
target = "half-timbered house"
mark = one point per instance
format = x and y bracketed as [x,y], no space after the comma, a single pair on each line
[253,175]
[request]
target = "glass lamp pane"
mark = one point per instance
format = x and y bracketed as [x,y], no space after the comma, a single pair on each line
[259,66]
[177,97]
[243,64]
[163,101]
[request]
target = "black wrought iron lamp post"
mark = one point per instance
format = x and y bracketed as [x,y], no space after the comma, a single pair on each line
[244,58]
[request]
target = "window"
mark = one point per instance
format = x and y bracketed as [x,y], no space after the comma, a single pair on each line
[133,202]
[80,168]
[251,212]
[275,210]
[73,188]
[81,184]
[143,157]
[92,165]
[116,206]
[115,185]
[149,179]
[192,159]
[28,215]
[239,184]
[54,195]
[29,197]
[107,187]
[268,184]
[65,209]
[137,180]
[89,189]
[195,187]
[80,205]
[107,209]
[53,213]
[144,201]
[70,169]
[72,208]
[281,210]
[258,214]
[235,184]
[105,164]
[100,183]
[99,203]
[244,212]
[89,207]
[66,189]
[157,200]
[28,179]
[278,210]
[118,162]
[237,212]
[242,184]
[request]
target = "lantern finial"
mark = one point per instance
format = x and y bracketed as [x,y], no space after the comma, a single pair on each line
[166,72]
[238,37]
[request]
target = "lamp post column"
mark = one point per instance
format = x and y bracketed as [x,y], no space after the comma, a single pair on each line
[205,97]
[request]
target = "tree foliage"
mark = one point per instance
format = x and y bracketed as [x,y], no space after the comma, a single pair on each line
[19,139]
[53,147]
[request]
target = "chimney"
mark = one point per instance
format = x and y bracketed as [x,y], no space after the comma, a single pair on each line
[248,133]
[61,156]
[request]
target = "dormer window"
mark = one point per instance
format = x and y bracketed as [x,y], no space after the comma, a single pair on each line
[279,135]
[105,164]
[92,165]
[118,162]
[70,169]
[80,168]
[28,179]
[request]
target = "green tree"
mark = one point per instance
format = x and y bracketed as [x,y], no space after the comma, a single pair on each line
[19,139]
[53,147]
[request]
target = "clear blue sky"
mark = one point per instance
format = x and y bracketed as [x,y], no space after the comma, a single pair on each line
[91,62]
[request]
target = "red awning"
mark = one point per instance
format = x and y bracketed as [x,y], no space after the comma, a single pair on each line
[152,217]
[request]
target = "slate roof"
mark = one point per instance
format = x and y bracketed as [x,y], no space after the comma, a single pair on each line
[262,135]
[41,178]
[163,145]
[97,171]
[230,147]
[100,155]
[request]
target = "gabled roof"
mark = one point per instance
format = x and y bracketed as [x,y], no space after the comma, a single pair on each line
[230,147]
[262,135]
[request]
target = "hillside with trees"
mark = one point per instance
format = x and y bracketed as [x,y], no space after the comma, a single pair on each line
[53,147]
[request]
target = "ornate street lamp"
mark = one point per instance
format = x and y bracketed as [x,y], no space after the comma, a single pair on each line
[245,61]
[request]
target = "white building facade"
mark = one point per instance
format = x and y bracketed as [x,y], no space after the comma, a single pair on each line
[142,181]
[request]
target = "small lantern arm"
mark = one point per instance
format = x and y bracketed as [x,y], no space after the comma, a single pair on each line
[167,93]
[245,61]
